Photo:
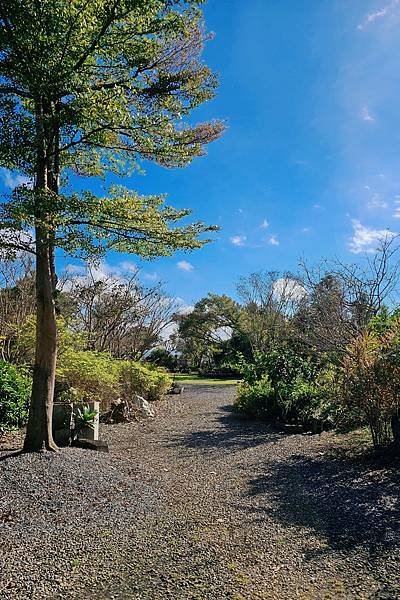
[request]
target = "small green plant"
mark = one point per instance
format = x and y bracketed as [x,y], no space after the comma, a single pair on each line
[84,417]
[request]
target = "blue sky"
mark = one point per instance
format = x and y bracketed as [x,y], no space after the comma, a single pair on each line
[310,163]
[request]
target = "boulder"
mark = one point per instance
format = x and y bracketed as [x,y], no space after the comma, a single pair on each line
[176,389]
[143,406]
[86,444]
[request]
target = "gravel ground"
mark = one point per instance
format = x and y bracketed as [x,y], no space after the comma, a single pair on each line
[198,504]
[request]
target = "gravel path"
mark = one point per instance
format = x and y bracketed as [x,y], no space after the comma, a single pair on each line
[198,504]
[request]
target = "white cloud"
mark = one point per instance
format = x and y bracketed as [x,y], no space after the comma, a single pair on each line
[183,265]
[396,213]
[273,240]
[288,289]
[376,201]
[317,206]
[238,240]
[366,114]
[264,224]
[15,241]
[185,309]
[306,230]
[365,239]
[87,273]
[152,276]
[379,14]
[12,180]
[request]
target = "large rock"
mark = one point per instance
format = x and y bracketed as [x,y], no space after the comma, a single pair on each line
[143,406]
[176,389]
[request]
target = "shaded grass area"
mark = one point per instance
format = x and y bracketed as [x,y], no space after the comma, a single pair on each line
[196,379]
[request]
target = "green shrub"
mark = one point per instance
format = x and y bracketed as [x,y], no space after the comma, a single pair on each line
[15,389]
[371,378]
[99,376]
[256,399]
[284,386]
[94,375]
[144,379]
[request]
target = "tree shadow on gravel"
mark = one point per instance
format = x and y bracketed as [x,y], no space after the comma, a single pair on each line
[10,453]
[349,503]
[227,432]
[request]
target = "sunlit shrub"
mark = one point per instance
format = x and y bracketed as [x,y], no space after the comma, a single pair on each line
[371,378]
[94,375]
[256,399]
[144,379]
[286,387]
[15,389]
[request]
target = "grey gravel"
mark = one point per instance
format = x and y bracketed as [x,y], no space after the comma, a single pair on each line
[199,504]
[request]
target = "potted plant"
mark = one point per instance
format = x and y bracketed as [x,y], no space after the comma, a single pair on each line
[85,422]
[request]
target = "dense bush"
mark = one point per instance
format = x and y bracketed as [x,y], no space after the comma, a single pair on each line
[25,340]
[15,388]
[283,386]
[94,375]
[144,379]
[99,376]
[256,399]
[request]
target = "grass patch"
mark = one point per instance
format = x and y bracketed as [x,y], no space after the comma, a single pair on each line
[196,380]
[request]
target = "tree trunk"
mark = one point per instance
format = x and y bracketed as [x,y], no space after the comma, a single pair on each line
[39,435]
[395,423]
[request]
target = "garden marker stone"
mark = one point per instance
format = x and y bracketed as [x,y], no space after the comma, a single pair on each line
[63,423]
[92,432]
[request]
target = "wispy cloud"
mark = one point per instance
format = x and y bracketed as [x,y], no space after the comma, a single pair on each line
[102,271]
[376,201]
[366,239]
[264,224]
[238,240]
[396,213]
[366,114]
[11,180]
[151,276]
[184,265]
[126,266]
[273,240]
[379,14]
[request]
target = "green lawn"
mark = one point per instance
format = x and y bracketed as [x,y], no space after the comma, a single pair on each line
[195,379]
